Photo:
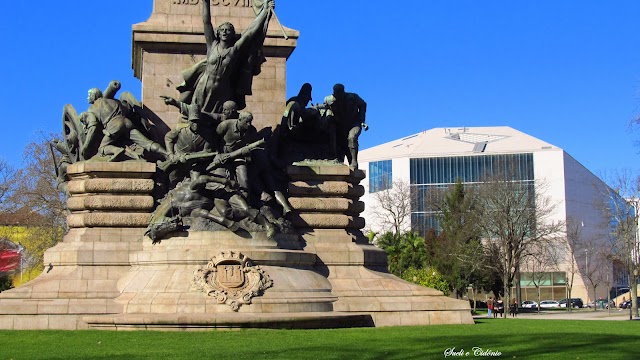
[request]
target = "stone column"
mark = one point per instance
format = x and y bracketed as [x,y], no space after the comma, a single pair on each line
[110,195]
[326,200]
[110,206]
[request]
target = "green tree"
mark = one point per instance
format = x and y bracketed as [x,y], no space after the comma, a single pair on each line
[5,282]
[404,251]
[460,227]
[428,277]
[459,256]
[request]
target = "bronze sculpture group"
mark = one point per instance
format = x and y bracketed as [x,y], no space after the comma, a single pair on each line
[216,169]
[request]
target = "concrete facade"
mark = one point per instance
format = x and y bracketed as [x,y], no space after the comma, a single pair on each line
[573,188]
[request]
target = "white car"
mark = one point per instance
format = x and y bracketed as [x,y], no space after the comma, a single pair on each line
[549,304]
[528,304]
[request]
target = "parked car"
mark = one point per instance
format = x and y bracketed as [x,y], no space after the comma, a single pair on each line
[601,304]
[549,304]
[575,302]
[528,304]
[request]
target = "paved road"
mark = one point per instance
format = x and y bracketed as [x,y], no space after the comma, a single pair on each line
[580,314]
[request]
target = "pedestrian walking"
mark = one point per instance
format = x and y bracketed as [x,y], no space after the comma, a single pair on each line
[513,309]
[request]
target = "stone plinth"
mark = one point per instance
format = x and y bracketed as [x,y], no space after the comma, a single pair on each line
[110,206]
[164,272]
[158,292]
[328,219]
[172,40]
[112,277]
[104,194]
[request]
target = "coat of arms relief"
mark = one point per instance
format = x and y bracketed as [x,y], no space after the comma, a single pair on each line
[232,279]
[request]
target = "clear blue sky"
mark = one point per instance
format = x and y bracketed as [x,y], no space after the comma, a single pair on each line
[567,72]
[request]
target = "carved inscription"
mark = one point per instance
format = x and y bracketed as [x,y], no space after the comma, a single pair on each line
[235,3]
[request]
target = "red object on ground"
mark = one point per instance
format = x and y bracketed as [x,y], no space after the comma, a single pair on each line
[9,260]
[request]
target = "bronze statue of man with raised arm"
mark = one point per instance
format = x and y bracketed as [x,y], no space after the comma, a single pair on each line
[232,61]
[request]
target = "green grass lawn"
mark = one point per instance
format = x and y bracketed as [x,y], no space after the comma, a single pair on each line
[513,338]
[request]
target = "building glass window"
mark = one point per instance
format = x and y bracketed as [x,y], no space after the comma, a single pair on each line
[380,176]
[559,278]
[533,279]
[428,174]
[551,285]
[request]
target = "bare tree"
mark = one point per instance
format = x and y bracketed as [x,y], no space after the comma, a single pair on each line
[607,256]
[565,256]
[37,186]
[36,193]
[517,215]
[392,209]
[7,183]
[536,265]
[596,263]
[621,211]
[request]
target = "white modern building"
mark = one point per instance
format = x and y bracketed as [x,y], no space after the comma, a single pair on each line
[437,157]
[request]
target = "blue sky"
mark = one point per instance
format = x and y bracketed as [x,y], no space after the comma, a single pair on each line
[567,72]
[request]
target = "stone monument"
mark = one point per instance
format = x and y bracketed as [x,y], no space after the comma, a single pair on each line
[192,209]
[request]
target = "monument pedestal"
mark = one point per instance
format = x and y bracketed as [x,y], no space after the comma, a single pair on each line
[107,275]
[161,292]
[326,200]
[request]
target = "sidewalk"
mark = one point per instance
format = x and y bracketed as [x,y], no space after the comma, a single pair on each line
[581,314]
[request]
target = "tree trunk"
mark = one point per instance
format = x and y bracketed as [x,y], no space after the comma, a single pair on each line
[633,290]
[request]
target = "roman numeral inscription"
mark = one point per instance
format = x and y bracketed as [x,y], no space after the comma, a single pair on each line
[235,3]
